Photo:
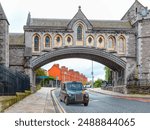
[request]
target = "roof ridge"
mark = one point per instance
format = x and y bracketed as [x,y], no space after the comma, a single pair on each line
[131,7]
[3,16]
[50,19]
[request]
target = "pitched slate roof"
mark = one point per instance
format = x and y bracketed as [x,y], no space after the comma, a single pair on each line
[95,23]
[49,22]
[16,38]
[110,24]
[2,14]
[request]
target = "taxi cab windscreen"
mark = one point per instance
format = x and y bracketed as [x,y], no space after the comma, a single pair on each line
[74,86]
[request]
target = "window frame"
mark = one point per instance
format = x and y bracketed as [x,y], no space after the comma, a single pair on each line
[34,36]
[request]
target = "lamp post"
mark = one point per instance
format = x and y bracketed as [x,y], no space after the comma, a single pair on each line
[92,75]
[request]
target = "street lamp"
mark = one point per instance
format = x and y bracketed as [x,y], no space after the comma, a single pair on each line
[92,75]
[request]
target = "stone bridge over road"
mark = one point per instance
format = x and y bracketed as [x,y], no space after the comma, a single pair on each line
[122,45]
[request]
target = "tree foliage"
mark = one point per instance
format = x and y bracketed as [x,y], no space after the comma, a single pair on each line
[40,72]
[107,73]
[97,83]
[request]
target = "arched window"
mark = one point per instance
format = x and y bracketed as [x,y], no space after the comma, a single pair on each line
[68,40]
[111,43]
[101,42]
[36,43]
[79,33]
[47,41]
[58,40]
[121,46]
[90,40]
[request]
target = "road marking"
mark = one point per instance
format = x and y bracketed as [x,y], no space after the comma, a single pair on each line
[60,108]
[94,100]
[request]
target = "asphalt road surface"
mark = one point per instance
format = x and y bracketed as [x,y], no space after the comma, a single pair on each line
[100,103]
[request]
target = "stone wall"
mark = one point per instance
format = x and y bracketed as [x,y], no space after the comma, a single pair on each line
[145,47]
[17,57]
[4,43]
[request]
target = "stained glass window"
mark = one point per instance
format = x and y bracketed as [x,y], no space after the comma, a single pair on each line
[36,43]
[79,33]
[58,39]
[47,41]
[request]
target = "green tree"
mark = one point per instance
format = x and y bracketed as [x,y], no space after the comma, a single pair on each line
[97,83]
[107,73]
[40,72]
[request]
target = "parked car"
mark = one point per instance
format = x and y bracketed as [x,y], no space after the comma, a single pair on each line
[73,92]
[106,84]
[88,86]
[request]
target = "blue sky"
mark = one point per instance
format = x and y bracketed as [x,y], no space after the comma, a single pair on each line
[17,11]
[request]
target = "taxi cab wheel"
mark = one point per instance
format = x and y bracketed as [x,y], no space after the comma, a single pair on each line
[85,104]
[66,101]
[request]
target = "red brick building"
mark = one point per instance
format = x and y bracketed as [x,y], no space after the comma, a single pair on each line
[65,74]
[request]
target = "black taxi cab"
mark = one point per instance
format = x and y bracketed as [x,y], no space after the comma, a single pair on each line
[73,92]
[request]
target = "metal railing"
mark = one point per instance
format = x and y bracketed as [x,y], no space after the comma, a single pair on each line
[138,82]
[12,82]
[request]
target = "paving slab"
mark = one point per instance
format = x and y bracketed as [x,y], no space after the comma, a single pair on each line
[39,102]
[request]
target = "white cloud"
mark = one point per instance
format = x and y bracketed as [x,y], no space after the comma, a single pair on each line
[17,10]
[82,65]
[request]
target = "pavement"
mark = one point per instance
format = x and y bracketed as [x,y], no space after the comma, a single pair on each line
[42,101]
[39,102]
[137,97]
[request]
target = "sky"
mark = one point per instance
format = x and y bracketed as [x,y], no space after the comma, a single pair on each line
[17,11]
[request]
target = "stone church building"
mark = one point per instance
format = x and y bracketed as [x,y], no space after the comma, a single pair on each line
[122,45]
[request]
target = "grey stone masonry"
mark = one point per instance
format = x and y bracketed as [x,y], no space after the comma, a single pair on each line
[4,38]
[145,47]
[122,45]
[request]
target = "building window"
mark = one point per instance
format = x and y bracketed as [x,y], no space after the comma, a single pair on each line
[136,10]
[121,46]
[79,33]
[68,39]
[36,43]
[47,41]
[100,40]
[58,39]
[111,43]
[89,40]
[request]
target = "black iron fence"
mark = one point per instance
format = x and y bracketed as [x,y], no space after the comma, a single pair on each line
[12,82]
[138,82]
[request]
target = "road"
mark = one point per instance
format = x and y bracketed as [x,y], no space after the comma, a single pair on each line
[100,103]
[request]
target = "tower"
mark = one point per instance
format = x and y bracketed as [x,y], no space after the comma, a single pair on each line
[4,38]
